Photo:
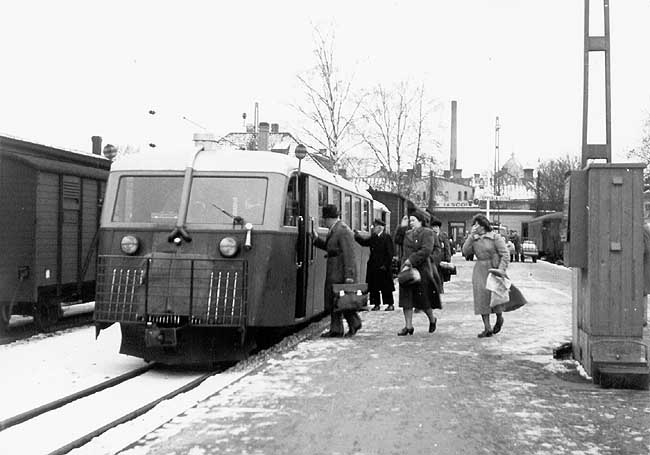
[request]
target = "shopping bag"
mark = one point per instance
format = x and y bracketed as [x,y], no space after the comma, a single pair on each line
[352,296]
[517,299]
[499,287]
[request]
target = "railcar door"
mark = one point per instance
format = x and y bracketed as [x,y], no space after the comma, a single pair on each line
[303,248]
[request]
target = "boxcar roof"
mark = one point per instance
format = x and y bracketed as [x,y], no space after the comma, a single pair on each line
[548,216]
[229,160]
[38,155]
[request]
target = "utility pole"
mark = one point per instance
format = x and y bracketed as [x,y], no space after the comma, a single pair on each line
[497,168]
[496,158]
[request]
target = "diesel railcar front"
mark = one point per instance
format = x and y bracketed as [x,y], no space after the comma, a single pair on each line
[204,256]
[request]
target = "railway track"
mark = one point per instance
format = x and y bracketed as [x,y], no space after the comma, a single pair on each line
[80,420]
[73,316]
[70,422]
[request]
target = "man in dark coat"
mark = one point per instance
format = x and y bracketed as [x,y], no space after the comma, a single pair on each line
[341,269]
[379,275]
[441,249]
[516,240]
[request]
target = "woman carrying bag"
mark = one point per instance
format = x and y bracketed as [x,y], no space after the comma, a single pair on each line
[425,293]
[491,253]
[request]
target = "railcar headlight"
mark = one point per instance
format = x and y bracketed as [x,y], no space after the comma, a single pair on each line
[129,244]
[228,247]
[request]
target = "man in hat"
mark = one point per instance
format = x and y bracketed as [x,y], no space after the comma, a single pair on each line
[379,275]
[441,249]
[341,268]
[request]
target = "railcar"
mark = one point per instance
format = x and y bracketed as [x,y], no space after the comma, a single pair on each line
[50,203]
[206,255]
[545,232]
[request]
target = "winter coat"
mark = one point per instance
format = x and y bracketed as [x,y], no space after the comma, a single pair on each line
[646,258]
[418,245]
[379,275]
[441,252]
[491,253]
[341,261]
[399,239]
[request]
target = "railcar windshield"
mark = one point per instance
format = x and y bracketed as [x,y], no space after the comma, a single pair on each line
[218,200]
[148,199]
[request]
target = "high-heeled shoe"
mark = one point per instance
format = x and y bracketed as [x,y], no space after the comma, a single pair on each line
[497,326]
[405,331]
[485,334]
[432,325]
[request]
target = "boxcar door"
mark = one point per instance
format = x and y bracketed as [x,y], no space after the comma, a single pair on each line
[302,248]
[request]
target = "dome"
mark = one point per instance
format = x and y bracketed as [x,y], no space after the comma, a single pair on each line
[513,167]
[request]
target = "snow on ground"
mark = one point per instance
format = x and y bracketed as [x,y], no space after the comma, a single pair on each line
[47,367]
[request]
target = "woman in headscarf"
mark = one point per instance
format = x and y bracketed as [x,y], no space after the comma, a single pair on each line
[491,253]
[424,295]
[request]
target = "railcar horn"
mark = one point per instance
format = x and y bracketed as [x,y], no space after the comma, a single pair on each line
[178,234]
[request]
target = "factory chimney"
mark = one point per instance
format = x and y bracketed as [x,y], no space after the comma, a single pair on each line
[453,152]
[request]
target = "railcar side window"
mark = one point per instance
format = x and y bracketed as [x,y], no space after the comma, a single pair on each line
[348,210]
[291,204]
[221,200]
[148,199]
[336,199]
[365,218]
[356,213]
[322,202]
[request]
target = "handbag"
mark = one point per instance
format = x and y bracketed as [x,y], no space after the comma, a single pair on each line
[409,276]
[448,267]
[350,297]
[517,299]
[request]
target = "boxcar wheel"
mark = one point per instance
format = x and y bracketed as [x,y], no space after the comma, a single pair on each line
[46,314]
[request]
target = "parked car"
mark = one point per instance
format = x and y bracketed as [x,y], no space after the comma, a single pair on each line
[529,249]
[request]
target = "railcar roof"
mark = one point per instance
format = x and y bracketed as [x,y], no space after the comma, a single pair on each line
[548,216]
[228,160]
[380,206]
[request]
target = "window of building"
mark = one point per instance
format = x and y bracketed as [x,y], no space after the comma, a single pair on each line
[465,195]
[459,196]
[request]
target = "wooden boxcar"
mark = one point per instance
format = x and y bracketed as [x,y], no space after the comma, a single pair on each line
[205,255]
[545,232]
[50,203]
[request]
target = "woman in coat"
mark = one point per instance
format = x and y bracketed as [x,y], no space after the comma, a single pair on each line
[425,295]
[491,252]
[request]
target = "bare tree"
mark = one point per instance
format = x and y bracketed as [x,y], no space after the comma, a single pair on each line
[330,105]
[393,126]
[551,175]
[642,152]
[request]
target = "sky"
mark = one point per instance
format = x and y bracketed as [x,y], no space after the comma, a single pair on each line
[74,69]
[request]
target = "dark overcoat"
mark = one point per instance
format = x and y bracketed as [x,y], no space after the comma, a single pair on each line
[418,245]
[341,262]
[379,275]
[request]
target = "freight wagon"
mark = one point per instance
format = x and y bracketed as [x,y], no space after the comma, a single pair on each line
[50,203]
[545,232]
